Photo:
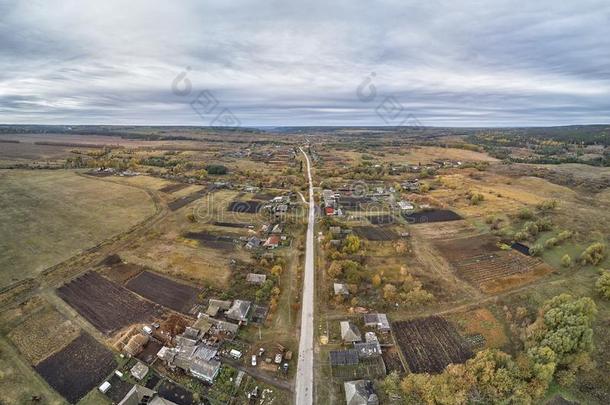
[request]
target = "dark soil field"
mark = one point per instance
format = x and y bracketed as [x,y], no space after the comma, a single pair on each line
[375,233]
[431,216]
[118,389]
[175,393]
[169,293]
[430,344]
[211,240]
[392,361]
[187,199]
[246,207]
[172,188]
[78,368]
[382,219]
[232,225]
[106,305]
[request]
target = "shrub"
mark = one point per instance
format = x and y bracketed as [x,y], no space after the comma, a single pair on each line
[551,242]
[594,254]
[602,285]
[547,205]
[525,213]
[566,260]
[536,250]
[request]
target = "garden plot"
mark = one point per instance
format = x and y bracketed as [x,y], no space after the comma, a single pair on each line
[245,207]
[78,368]
[210,240]
[43,333]
[375,233]
[479,261]
[430,344]
[106,305]
[382,219]
[431,216]
[187,199]
[123,272]
[169,293]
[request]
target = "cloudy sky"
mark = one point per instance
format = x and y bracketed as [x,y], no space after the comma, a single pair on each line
[352,62]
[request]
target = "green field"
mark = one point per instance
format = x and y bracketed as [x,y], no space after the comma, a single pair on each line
[48,216]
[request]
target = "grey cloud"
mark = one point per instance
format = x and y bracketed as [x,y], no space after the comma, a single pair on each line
[288,63]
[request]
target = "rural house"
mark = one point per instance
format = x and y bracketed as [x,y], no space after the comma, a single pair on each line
[139,371]
[360,392]
[272,242]
[254,278]
[379,321]
[350,332]
[253,243]
[239,311]
[340,289]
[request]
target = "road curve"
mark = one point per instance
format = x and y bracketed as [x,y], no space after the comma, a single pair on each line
[304,376]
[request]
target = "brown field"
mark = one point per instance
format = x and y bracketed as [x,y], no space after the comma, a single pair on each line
[106,305]
[169,293]
[78,368]
[122,272]
[430,344]
[482,321]
[43,333]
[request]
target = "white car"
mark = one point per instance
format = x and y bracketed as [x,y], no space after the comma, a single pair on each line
[254,360]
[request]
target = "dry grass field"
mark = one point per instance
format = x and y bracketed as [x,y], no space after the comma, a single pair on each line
[48,216]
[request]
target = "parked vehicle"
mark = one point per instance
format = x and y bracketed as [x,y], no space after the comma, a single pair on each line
[254,360]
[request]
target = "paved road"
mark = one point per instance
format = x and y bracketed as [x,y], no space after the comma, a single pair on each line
[304,377]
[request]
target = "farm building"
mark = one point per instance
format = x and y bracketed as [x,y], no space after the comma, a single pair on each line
[205,370]
[189,355]
[253,243]
[335,230]
[277,229]
[350,332]
[254,278]
[239,310]
[135,345]
[344,357]
[370,347]
[340,289]
[142,395]
[405,206]
[360,392]
[219,324]
[139,371]
[329,211]
[379,321]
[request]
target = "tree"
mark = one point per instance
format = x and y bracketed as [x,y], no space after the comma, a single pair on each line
[566,260]
[602,285]
[492,376]
[564,326]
